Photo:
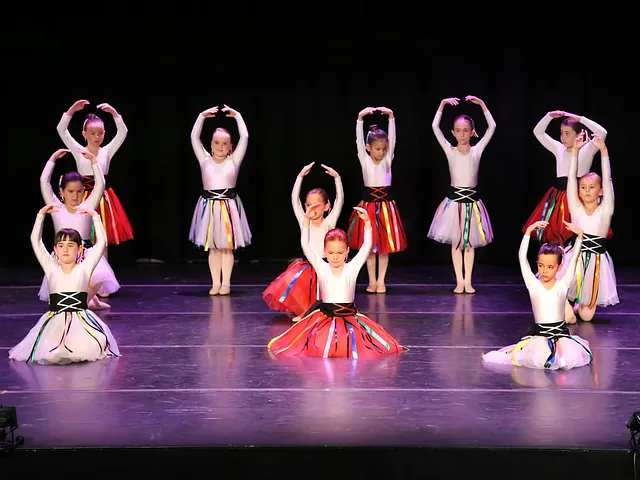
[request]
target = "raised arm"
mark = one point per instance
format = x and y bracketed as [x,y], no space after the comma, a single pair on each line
[573,199]
[540,131]
[360,140]
[298,209]
[45,177]
[93,200]
[44,257]
[491,124]
[361,257]
[241,148]
[435,124]
[334,214]
[201,153]
[608,198]
[314,257]
[527,275]
[63,126]
[92,259]
[121,129]
[391,134]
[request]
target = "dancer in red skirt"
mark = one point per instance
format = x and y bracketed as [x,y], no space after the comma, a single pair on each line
[295,290]
[335,328]
[376,156]
[114,218]
[553,207]
[461,218]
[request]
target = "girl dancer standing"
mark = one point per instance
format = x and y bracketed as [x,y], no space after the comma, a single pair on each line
[335,328]
[591,209]
[548,344]
[461,218]
[295,290]
[114,218]
[219,223]
[553,207]
[69,332]
[376,156]
[103,280]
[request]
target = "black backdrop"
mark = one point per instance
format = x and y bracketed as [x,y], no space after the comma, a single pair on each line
[299,81]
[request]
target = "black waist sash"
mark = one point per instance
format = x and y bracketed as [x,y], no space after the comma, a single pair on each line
[222,194]
[552,332]
[67,302]
[87,243]
[463,194]
[89,182]
[561,183]
[593,244]
[337,309]
[377,194]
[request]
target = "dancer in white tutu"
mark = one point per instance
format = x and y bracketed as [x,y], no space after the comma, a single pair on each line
[219,223]
[548,344]
[461,218]
[69,332]
[591,203]
[103,280]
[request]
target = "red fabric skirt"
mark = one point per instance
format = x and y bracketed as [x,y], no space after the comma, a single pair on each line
[386,224]
[114,218]
[320,335]
[294,290]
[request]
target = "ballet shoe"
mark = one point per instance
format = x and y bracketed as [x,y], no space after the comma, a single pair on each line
[296,319]
[459,288]
[468,288]
[372,288]
[96,304]
[225,290]
[215,290]
[381,288]
[103,295]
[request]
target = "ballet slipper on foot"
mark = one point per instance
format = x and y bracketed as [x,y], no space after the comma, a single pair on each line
[381,288]
[296,319]
[225,290]
[372,288]
[459,288]
[214,290]
[96,304]
[468,288]
[103,295]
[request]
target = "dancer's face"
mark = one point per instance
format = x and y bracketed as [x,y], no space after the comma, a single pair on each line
[567,136]
[462,131]
[67,251]
[313,199]
[589,189]
[548,267]
[336,252]
[72,193]
[378,149]
[94,133]
[220,145]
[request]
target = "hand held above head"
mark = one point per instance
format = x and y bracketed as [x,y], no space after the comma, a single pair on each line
[58,154]
[210,112]
[535,226]
[330,171]
[366,111]
[573,228]
[305,170]
[50,208]
[364,216]
[77,106]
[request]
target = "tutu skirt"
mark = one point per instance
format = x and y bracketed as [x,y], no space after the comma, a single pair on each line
[114,218]
[103,273]
[553,208]
[62,337]
[387,230]
[461,220]
[594,283]
[219,221]
[335,330]
[294,290]
[552,352]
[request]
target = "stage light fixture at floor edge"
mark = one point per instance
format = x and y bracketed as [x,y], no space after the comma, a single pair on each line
[8,426]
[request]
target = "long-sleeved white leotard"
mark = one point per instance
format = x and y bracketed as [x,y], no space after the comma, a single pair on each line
[563,157]
[547,305]
[78,279]
[63,218]
[463,169]
[105,154]
[317,234]
[376,174]
[599,221]
[342,288]
[219,175]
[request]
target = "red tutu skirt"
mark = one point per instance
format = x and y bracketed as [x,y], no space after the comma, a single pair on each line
[553,208]
[114,218]
[295,289]
[335,330]
[386,223]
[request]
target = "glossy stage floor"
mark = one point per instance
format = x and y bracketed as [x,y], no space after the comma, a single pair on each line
[195,374]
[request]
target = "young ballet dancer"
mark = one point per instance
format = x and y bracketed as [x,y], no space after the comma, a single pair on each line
[114,218]
[591,205]
[103,280]
[375,153]
[461,218]
[295,290]
[335,328]
[69,332]
[219,223]
[548,344]
[553,207]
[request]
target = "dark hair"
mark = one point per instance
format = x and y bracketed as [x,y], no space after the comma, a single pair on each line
[319,191]
[91,118]
[577,126]
[70,177]
[552,248]
[376,133]
[466,118]
[69,234]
